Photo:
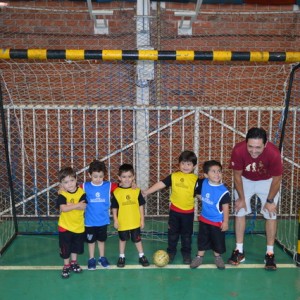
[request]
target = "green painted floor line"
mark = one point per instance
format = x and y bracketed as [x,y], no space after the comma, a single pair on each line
[134,267]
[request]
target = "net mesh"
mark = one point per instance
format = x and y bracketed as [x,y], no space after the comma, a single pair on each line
[64,112]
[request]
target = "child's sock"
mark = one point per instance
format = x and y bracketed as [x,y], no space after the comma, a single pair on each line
[270,249]
[240,247]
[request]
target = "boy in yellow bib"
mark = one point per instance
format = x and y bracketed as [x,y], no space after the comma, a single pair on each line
[181,216]
[128,212]
[71,202]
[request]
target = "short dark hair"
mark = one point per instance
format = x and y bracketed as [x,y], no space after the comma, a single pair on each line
[126,168]
[65,172]
[210,163]
[97,166]
[256,133]
[188,156]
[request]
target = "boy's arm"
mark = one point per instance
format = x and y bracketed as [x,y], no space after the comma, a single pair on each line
[198,188]
[81,205]
[142,216]
[115,216]
[225,223]
[154,188]
[68,207]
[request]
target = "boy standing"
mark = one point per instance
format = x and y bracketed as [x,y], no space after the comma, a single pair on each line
[128,212]
[71,202]
[97,216]
[181,216]
[213,220]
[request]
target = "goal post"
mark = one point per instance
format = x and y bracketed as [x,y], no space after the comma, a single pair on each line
[69,112]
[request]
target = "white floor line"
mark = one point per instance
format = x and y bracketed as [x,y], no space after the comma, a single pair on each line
[151,267]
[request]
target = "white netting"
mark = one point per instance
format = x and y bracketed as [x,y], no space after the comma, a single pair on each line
[68,113]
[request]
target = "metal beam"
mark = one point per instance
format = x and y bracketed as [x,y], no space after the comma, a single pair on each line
[180,55]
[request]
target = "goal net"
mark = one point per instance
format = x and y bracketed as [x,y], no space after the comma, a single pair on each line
[67,113]
[62,113]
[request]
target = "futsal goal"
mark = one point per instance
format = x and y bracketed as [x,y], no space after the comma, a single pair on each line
[63,112]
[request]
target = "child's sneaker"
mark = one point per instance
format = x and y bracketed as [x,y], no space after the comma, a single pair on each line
[144,261]
[121,262]
[103,262]
[171,257]
[236,257]
[186,259]
[76,268]
[270,262]
[196,262]
[65,272]
[92,264]
[219,262]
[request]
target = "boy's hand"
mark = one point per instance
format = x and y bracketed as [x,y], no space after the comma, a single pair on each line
[116,224]
[224,226]
[60,189]
[82,205]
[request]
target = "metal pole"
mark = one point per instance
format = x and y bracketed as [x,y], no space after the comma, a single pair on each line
[8,168]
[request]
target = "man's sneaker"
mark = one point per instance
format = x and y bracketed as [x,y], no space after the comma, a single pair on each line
[65,272]
[270,262]
[196,262]
[121,262]
[236,257]
[103,262]
[92,264]
[144,261]
[171,257]
[187,259]
[75,268]
[219,262]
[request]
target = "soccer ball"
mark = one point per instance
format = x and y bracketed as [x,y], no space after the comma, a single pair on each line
[160,258]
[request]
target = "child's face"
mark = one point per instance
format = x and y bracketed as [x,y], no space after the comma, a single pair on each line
[69,183]
[214,175]
[186,167]
[97,177]
[126,179]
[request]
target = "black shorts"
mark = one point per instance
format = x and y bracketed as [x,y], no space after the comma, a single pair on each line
[135,235]
[211,237]
[96,233]
[70,242]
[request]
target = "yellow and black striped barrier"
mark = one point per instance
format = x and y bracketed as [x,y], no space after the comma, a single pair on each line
[179,55]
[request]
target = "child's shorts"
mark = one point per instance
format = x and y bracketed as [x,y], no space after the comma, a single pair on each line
[96,233]
[211,237]
[135,235]
[70,242]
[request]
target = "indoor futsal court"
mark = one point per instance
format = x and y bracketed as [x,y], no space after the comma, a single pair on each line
[139,82]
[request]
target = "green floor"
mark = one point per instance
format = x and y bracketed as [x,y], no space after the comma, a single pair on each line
[30,268]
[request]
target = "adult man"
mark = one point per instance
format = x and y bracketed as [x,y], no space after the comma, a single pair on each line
[257,169]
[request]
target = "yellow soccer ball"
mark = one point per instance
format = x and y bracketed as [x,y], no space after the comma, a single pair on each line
[160,258]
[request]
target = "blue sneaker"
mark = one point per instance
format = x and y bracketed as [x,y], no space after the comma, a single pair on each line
[92,264]
[103,262]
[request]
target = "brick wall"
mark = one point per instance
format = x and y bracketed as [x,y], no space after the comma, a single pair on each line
[67,25]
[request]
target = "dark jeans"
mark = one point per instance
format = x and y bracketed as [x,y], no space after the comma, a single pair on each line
[180,225]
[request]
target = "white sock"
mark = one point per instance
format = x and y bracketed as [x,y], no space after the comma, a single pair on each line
[141,254]
[270,249]
[122,255]
[240,247]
